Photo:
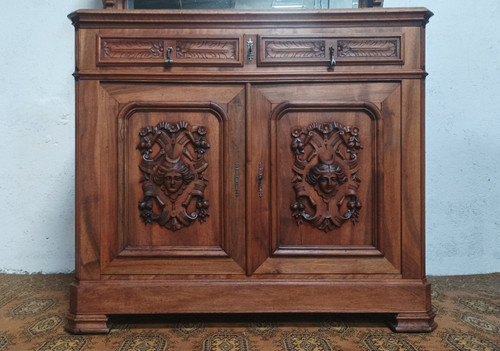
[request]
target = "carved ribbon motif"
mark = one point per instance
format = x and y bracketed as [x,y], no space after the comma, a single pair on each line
[173,166]
[325,175]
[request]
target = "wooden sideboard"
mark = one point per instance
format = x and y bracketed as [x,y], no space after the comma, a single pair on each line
[250,162]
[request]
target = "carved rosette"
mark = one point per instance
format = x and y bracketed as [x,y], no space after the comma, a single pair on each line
[325,175]
[173,166]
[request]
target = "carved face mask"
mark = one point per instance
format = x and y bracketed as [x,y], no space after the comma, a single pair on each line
[173,181]
[327,182]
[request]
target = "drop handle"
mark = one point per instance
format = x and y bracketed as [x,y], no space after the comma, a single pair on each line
[332,57]
[169,54]
[261,180]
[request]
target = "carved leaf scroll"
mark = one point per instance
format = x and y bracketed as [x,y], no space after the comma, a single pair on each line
[207,49]
[325,175]
[132,49]
[368,48]
[173,181]
[298,49]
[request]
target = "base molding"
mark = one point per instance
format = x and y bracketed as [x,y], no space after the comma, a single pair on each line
[414,322]
[106,297]
[86,323]
[93,301]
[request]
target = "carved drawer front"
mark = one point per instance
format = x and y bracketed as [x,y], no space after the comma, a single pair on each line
[330,50]
[170,51]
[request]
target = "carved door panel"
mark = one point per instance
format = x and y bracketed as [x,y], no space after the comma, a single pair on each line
[175,206]
[319,201]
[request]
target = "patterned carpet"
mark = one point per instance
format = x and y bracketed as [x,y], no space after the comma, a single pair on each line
[32,309]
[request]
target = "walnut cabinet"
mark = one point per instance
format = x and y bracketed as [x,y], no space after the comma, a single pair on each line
[250,162]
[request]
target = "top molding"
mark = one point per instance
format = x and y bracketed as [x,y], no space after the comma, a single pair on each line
[338,17]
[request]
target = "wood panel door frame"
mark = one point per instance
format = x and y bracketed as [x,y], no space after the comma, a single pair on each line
[109,239]
[378,100]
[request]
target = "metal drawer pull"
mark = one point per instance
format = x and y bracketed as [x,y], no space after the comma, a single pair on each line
[261,180]
[332,57]
[169,54]
[250,50]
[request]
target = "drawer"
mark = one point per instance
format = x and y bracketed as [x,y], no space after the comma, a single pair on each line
[220,51]
[304,51]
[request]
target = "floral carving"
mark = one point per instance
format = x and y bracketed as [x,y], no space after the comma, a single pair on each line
[325,175]
[132,49]
[368,48]
[297,49]
[173,166]
[206,49]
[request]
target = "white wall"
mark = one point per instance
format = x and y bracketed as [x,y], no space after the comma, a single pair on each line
[462,135]
[37,136]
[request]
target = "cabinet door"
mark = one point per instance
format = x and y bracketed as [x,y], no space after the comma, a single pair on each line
[162,157]
[324,175]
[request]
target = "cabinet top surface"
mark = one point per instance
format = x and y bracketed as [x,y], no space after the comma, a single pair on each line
[194,17]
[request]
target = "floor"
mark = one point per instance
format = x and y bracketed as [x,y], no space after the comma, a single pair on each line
[32,309]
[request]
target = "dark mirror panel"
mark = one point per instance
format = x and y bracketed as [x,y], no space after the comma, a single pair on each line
[184,4]
[251,4]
